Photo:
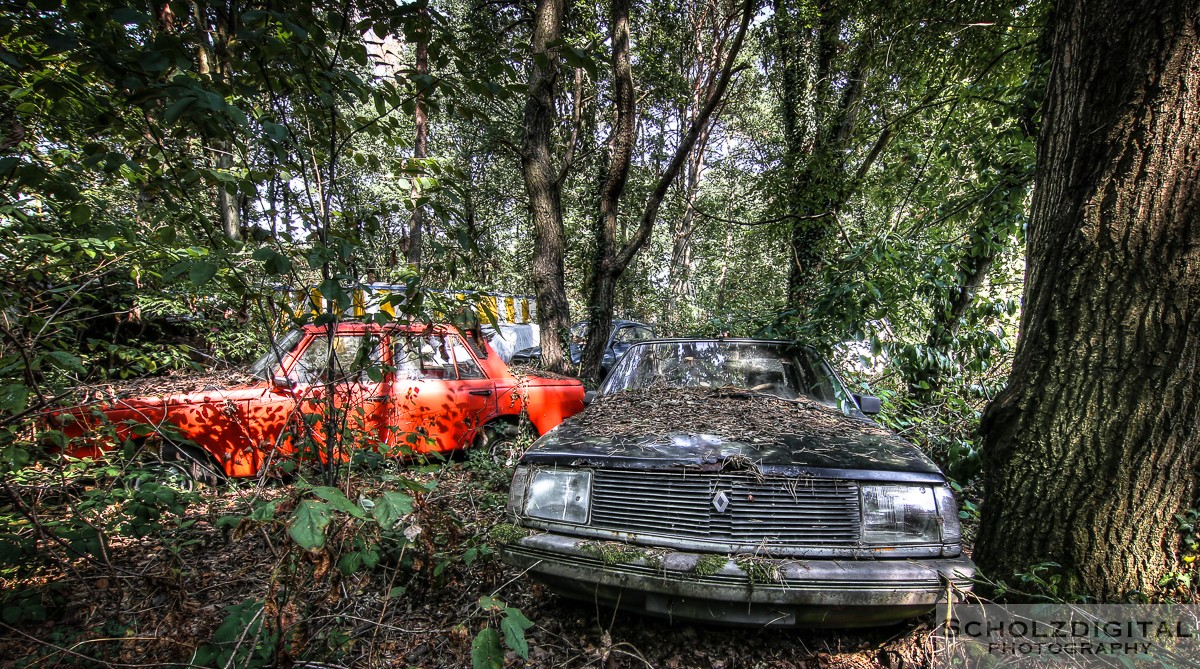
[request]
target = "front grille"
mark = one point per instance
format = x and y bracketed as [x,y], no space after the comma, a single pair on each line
[767,512]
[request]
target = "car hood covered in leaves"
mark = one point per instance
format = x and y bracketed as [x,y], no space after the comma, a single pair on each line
[728,429]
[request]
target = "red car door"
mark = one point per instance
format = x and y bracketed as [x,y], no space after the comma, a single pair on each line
[360,390]
[440,395]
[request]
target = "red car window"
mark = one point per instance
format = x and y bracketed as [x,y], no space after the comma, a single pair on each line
[468,368]
[352,356]
[423,357]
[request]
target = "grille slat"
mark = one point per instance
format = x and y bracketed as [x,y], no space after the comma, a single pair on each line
[763,511]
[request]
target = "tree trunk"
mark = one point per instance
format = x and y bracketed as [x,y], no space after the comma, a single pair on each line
[1092,447]
[681,290]
[610,263]
[680,271]
[416,226]
[620,155]
[213,61]
[543,187]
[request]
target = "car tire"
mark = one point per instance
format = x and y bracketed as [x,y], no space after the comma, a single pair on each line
[500,437]
[183,467]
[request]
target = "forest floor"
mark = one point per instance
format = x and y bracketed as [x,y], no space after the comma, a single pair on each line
[159,599]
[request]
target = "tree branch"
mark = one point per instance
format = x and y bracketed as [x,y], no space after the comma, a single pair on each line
[650,214]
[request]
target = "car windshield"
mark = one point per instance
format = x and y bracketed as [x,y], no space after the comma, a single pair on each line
[778,369]
[266,366]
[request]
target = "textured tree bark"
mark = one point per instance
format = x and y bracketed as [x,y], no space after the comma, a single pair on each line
[620,154]
[543,187]
[610,263]
[1092,447]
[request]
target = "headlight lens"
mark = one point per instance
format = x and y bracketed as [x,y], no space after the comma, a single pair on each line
[562,495]
[899,514]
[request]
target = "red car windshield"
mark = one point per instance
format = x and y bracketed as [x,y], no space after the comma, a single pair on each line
[266,366]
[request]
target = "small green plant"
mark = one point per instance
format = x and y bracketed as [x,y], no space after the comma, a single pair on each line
[242,639]
[31,605]
[486,649]
[1189,534]
[1181,581]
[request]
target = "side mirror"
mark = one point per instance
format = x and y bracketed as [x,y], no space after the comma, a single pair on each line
[868,405]
[589,397]
[282,383]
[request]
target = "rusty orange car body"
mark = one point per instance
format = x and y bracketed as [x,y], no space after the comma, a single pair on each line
[404,389]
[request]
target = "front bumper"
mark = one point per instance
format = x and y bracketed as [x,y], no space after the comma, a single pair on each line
[743,590]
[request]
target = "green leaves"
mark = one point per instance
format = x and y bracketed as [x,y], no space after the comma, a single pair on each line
[513,623]
[308,524]
[274,262]
[311,519]
[390,508]
[201,272]
[66,361]
[486,651]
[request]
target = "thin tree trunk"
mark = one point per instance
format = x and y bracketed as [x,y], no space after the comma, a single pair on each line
[416,227]
[1093,446]
[213,61]
[543,187]
[610,263]
[620,155]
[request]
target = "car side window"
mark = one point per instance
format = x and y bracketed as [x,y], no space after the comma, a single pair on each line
[426,357]
[352,356]
[468,368]
[631,334]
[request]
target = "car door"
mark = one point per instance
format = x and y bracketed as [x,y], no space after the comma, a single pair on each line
[352,374]
[440,396]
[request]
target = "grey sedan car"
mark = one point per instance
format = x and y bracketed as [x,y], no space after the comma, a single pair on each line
[735,481]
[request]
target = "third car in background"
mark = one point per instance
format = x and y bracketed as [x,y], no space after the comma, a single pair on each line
[623,335]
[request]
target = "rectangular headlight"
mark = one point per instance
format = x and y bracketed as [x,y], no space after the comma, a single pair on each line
[562,495]
[899,514]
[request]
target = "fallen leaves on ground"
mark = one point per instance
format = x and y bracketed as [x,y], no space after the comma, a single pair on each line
[154,601]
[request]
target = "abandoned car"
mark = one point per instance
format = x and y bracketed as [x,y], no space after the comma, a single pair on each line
[403,389]
[735,481]
[623,335]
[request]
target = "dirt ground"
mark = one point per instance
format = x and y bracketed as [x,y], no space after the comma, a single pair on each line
[154,601]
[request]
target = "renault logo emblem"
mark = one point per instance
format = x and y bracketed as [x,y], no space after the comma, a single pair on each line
[720,501]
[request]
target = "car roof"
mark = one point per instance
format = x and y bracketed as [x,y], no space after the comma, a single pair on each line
[617,323]
[353,327]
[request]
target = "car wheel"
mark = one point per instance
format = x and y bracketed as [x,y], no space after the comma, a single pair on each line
[180,467]
[501,438]
[172,474]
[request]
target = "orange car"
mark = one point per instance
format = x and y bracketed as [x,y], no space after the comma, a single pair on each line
[399,389]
